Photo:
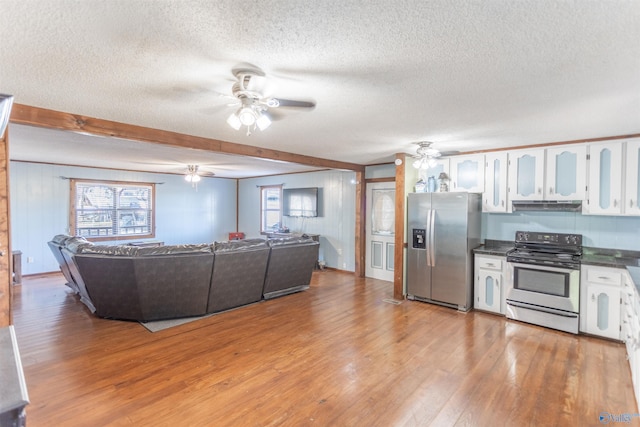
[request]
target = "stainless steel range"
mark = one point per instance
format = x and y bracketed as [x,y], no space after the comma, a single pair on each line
[545,268]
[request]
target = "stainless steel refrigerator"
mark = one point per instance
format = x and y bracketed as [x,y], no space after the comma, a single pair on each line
[443,229]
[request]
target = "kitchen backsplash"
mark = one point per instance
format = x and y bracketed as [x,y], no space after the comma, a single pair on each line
[615,232]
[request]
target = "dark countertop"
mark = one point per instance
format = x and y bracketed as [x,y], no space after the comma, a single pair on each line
[610,257]
[634,272]
[494,247]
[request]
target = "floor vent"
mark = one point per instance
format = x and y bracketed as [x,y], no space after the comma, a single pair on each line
[392,301]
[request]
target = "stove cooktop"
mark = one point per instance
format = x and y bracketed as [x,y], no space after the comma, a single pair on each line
[562,250]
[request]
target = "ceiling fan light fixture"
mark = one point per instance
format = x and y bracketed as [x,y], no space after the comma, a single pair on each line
[263,121]
[192,174]
[234,121]
[247,116]
[425,155]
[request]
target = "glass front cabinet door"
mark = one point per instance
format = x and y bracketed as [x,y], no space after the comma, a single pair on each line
[566,173]
[467,173]
[605,179]
[603,311]
[632,177]
[526,174]
[495,182]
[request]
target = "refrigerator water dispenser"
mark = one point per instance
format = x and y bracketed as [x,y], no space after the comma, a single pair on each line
[419,238]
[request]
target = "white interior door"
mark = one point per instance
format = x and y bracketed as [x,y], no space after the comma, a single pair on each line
[381,199]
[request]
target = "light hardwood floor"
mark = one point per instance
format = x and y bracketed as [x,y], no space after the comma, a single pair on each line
[334,355]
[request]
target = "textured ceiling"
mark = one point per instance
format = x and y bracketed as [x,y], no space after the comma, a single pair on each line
[468,75]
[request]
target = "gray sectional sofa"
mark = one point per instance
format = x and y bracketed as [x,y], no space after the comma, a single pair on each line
[164,282]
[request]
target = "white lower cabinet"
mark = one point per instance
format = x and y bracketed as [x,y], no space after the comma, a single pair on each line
[489,289]
[600,290]
[630,329]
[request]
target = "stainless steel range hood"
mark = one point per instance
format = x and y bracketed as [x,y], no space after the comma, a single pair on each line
[547,205]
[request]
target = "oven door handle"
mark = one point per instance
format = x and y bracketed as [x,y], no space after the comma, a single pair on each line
[543,267]
[542,309]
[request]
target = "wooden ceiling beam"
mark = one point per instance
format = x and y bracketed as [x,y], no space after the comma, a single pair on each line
[42,117]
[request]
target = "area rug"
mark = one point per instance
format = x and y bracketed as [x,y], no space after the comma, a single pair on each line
[161,325]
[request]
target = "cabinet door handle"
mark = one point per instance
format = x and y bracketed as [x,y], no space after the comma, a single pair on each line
[497,282]
[630,203]
[550,190]
[539,190]
[615,203]
[604,278]
[502,203]
[593,297]
[490,264]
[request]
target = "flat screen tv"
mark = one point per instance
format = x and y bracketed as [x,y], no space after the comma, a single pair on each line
[302,202]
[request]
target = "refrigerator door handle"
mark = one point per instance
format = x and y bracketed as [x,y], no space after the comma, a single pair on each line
[432,237]
[427,240]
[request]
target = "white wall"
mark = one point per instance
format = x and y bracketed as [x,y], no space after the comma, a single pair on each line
[40,203]
[335,223]
[387,170]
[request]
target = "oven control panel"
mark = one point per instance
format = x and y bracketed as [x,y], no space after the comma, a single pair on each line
[555,239]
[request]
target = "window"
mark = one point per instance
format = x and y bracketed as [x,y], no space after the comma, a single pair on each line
[109,210]
[270,208]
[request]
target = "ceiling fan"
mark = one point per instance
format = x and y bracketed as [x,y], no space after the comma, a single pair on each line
[193,175]
[425,155]
[253,105]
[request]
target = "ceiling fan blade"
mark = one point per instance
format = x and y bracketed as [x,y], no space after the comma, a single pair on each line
[292,103]
[449,153]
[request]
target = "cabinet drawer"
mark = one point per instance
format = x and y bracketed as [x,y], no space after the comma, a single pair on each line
[489,263]
[604,276]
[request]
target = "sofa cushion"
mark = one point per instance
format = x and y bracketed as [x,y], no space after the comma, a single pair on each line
[175,249]
[74,244]
[60,239]
[238,273]
[114,250]
[239,245]
[290,241]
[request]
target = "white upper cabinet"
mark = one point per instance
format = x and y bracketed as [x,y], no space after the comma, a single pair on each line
[526,174]
[605,179]
[632,177]
[494,198]
[467,173]
[566,172]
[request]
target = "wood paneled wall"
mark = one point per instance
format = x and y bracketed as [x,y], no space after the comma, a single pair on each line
[5,238]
